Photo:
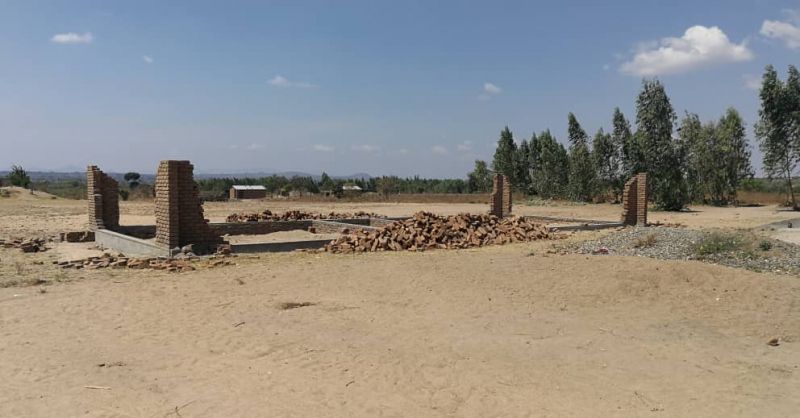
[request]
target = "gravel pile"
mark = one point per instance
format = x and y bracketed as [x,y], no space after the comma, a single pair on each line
[752,253]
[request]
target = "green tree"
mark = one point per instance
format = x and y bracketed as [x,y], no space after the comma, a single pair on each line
[479,180]
[19,177]
[387,185]
[694,139]
[582,174]
[522,170]
[655,121]
[505,155]
[626,142]
[326,182]
[777,126]
[716,157]
[550,173]
[737,166]
[133,179]
[608,162]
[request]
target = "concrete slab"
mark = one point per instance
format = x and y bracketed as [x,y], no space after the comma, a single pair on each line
[128,245]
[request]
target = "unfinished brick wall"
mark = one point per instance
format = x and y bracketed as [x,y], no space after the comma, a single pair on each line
[103,197]
[501,196]
[179,213]
[634,201]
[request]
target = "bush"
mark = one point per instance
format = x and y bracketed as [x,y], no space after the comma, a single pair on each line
[765,245]
[718,242]
[19,177]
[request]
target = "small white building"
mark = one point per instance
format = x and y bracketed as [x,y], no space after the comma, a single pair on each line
[248,192]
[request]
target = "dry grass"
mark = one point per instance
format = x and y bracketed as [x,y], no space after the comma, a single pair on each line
[645,241]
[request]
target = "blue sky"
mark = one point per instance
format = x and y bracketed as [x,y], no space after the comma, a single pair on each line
[402,87]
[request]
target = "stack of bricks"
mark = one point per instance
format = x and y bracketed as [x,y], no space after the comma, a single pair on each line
[634,201]
[103,197]
[501,196]
[179,213]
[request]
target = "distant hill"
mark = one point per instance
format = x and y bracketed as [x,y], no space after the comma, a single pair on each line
[53,176]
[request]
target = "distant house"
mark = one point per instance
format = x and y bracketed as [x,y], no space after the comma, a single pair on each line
[353,188]
[248,192]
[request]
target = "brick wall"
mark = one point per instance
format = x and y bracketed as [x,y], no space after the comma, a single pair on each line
[179,213]
[103,198]
[500,203]
[634,201]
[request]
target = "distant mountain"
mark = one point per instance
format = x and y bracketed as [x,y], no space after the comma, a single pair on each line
[150,178]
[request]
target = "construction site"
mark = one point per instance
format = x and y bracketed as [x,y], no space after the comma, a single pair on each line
[312,308]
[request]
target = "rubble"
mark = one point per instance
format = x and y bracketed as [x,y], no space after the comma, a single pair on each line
[428,231]
[77,236]
[297,215]
[26,245]
[177,265]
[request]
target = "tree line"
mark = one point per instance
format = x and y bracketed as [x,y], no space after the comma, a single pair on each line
[384,185]
[687,160]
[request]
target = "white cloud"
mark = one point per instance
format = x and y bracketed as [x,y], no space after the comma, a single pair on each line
[439,150]
[365,148]
[322,148]
[785,31]
[465,146]
[699,47]
[752,82]
[72,38]
[147,59]
[255,146]
[403,151]
[490,88]
[281,81]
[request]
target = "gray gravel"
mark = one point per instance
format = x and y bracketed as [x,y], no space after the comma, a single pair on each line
[680,244]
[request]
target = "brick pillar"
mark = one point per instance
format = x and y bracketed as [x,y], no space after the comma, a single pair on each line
[179,213]
[500,203]
[103,198]
[641,199]
[506,197]
[634,200]
[166,201]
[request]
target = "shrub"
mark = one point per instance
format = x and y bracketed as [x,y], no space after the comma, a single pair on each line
[718,242]
[646,241]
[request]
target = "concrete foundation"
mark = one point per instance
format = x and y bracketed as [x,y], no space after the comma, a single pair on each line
[128,245]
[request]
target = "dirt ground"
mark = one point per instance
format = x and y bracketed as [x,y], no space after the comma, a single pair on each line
[497,331]
[42,214]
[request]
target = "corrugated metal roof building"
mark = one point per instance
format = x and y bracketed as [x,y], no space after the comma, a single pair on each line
[248,192]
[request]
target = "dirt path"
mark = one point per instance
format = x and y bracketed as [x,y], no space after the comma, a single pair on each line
[488,332]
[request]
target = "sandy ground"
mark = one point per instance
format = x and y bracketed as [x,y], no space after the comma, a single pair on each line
[45,216]
[497,331]
[282,236]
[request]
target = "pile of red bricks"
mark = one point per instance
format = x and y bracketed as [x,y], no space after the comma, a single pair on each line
[634,201]
[103,196]
[171,265]
[29,245]
[426,231]
[500,204]
[298,215]
[179,212]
